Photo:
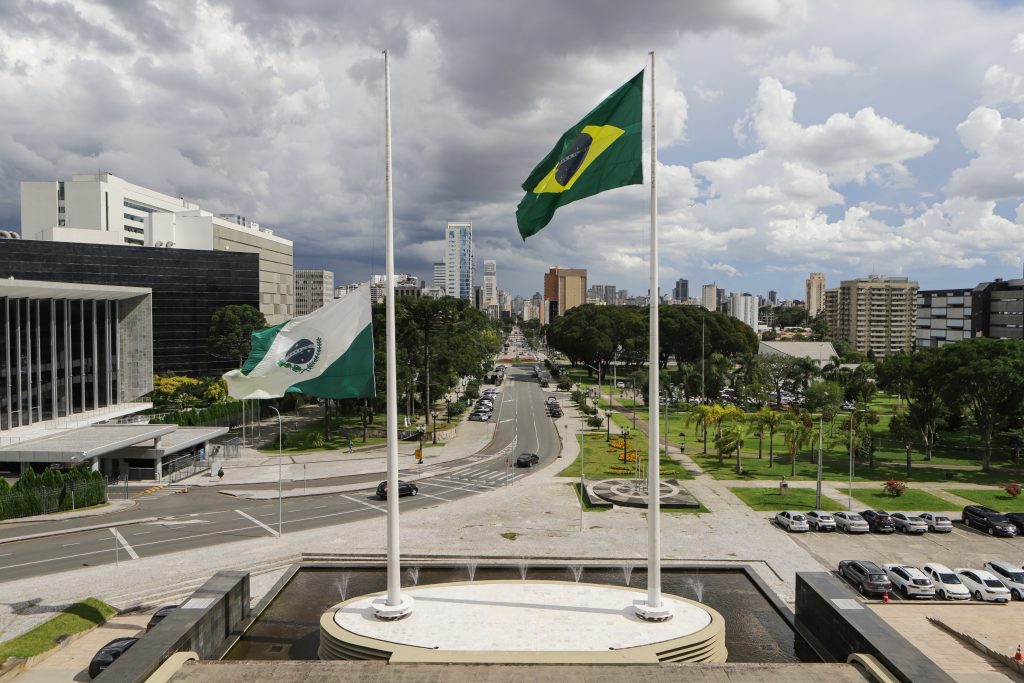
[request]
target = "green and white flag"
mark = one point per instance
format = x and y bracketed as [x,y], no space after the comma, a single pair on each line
[328,353]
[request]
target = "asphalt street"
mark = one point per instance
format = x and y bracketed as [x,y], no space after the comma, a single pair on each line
[203,518]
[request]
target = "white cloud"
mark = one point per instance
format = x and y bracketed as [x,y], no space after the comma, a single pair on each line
[997,169]
[705,93]
[723,267]
[795,68]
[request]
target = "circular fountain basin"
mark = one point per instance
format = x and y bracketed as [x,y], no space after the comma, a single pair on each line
[523,622]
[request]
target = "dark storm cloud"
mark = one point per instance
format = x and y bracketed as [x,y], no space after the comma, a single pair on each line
[61,20]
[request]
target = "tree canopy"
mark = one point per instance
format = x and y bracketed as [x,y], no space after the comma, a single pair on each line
[231,331]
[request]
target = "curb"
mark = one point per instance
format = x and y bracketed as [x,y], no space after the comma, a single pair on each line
[65,532]
[93,512]
[15,666]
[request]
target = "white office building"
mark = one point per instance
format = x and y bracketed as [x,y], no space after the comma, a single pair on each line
[459,266]
[744,307]
[490,293]
[440,280]
[101,208]
[313,289]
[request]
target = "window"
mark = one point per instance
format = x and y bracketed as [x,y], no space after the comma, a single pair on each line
[138,207]
[137,219]
[129,240]
[132,228]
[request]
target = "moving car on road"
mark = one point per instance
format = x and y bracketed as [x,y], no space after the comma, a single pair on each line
[866,576]
[792,520]
[851,523]
[909,524]
[405,488]
[939,524]
[109,654]
[879,520]
[910,581]
[821,520]
[987,519]
[1011,576]
[527,460]
[948,585]
[983,585]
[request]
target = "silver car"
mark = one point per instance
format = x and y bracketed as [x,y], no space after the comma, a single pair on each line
[851,523]
[792,520]
[820,520]
[1011,576]
[909,524]
[937,523]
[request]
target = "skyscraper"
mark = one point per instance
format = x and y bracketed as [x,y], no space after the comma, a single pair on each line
[564,288]
[440,276]
[681,292]
[744,307]
[458,261]
[490,293]
[874,314]
[709,296]
[773,297]
[815,293]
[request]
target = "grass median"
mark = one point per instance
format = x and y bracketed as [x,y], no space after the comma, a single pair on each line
[80,616]
[997,499]
[769,499]
[912,500]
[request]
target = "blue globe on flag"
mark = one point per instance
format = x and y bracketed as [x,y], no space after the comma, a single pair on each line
[301,352]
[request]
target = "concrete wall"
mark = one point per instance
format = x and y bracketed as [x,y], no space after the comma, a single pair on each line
[134,348]
[203,624]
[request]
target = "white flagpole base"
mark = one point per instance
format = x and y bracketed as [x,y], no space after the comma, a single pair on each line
[385,612]
[662,612]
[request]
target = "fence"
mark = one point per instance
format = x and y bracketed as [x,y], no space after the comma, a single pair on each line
[185,467]
[40,501]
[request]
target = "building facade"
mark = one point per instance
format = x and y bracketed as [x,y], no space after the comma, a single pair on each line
[681,292]
[313,289]
[815,293]
[991,309]
[709,296]
[101,208]
[460,269]
[744,307]
[875,314]
[187,287]
[440,278]
[490,302]
[564,288]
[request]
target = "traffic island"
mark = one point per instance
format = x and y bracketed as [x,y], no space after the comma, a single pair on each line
[633,493]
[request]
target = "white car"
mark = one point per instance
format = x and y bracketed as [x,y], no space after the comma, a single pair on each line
[948,585]
[910,581]
[1011,576]
[621,385]
[821,521]
[909,524]
[851,523]
[983,585]
[939,524]
[791,520]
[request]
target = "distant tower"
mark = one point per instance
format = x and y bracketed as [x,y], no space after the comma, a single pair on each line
[458,261]
[681,292]
[815,293]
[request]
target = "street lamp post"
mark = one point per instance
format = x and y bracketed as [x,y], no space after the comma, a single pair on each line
[448,407]
[433,416]
[608,417]
[280,456]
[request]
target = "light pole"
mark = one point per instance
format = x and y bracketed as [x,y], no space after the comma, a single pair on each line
[433,416]
[849,490]
[280,456]
[608,417]
[448,407]
[583,493]
[817,495]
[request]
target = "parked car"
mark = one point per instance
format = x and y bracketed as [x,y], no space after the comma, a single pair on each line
[939,524]
[479,417]
[405,488]
[527,460]
[983,585]
[791,520]
[910,581]
[820,520]
[550,399]
[620,385]
[909,524]
[851,523]
[1011,576]
[987,519]
[108,654]
[1017,519]
[948,585]
[866,576]
[159,615]
[879,520]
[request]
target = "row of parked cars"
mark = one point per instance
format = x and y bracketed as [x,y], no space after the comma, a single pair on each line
[998,581]
[553,408]
[978,517]
[484,406]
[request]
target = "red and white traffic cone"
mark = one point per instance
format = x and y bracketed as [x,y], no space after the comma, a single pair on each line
[1018,657]
[885,598]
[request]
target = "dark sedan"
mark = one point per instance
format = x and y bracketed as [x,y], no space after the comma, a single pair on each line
[405,488]
[879,520]
[159,615]
[108,654]
[527,460]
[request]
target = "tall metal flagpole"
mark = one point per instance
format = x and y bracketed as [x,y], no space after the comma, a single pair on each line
[394,605]
[653,608]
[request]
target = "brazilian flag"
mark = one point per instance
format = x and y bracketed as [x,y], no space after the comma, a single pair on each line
[601,152]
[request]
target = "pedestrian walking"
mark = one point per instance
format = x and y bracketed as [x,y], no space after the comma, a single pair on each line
[350,445]
[220,474]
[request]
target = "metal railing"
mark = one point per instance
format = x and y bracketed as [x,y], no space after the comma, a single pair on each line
[43,500]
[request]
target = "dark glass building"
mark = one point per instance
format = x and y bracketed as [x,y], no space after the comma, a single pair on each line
[188,286]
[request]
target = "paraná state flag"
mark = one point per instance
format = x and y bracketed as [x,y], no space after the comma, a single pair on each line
[328,353]
[601,152]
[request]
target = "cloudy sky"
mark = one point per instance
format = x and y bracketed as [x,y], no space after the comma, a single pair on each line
[848,137]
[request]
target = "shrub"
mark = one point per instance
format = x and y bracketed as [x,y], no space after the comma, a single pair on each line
[318,440]
[564,385]
[594,421]
[895,487]
[1013,489]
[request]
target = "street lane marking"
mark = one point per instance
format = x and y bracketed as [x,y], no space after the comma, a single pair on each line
[427,495]
[363,502]
[68,545]
[253,519]
[120,539]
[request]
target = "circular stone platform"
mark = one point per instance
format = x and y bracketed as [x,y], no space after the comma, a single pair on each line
[523,622]
[624,492]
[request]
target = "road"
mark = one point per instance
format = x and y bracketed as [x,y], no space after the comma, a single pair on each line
[204,518]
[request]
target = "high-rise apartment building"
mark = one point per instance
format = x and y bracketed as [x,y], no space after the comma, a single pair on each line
[564,288]
[709,296]
[490,289]
[681,292]
[313,289]
[773,298]
[606,293]
[744,307]
[101,208]
[440,279]
[460,273]
[815,286]
[875,313]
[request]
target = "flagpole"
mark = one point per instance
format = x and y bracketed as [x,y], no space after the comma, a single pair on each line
[653,608]
[394,605]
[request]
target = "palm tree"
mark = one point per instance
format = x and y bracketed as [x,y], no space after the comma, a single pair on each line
[731,441]
[746,368]
[770,420]
[726,417]
[804,370]
[798,435]
[699,417]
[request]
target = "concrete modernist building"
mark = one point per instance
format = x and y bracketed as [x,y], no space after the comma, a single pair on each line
[744,307]
[815,287]
[460,269]
[490,289]
[440,280]
[187,286]
[313,289]
[564,288]
[875,314]
[709,296]
[991,309]
[101,208]
[999,309]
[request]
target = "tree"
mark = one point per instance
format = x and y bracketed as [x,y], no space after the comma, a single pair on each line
[824,398]
[820,328]
[804,370]
[926,382]
[231,329]
[798,435]
[901,429]
[776,370]
[699,417]
[770,420]
[893,373]
[731,441]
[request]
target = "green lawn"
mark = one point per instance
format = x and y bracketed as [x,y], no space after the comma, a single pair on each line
[912,500]
[80,616]
[997,499]
[587,507]
[601,458]
[769,500]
